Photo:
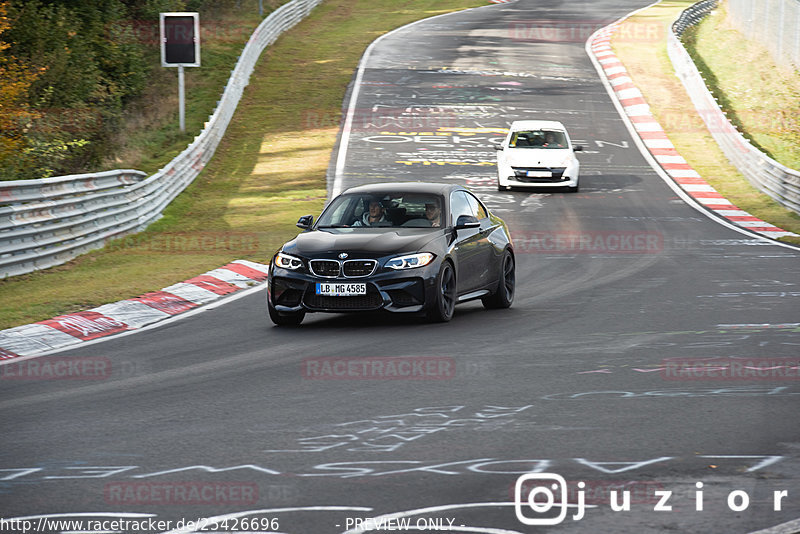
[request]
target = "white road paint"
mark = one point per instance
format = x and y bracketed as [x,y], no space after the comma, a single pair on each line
[344,142]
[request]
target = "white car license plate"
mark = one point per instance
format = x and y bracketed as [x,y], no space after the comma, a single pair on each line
[331,289]
[540,174]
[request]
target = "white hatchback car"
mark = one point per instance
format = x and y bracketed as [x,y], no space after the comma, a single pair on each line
[537,154]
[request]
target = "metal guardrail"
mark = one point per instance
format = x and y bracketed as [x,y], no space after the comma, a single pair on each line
[49,221]
[693,15]
[776,180]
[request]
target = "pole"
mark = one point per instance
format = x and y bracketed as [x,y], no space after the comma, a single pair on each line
[181,100]
[797,34]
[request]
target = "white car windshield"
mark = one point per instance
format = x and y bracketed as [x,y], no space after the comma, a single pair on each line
[552,139]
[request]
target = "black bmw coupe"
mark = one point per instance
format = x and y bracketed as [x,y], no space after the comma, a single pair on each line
[399,247]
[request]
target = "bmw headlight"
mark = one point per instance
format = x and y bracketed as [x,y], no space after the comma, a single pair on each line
[286,261]
[410,261]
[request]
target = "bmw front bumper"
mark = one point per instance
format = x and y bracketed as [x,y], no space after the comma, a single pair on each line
[399,291]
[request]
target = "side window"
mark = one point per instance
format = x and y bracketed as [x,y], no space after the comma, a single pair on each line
[476,207]
[459,205]
[340,214]
[361,207]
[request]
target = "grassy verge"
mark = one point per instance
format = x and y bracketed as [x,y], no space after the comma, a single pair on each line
[269,169]
[151,136]
[760,97]
[651,70]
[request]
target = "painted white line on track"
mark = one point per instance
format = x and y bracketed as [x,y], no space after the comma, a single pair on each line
[792,527]
[344,142]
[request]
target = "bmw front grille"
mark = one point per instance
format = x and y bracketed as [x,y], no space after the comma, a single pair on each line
[348,268]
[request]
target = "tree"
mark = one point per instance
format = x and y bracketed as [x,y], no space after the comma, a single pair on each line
[15,113]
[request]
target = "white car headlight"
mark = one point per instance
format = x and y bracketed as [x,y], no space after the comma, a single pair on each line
[410,261]
[286,261]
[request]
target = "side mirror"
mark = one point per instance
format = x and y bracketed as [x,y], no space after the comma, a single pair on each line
[498,147]
[305,222]
[467,221]
[577,148]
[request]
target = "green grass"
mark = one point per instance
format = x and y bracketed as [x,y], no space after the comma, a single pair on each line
[651,70]
[151,136]
[761,98]
[268,170]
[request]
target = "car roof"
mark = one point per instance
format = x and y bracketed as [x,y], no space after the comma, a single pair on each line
[536,125]
[404,187]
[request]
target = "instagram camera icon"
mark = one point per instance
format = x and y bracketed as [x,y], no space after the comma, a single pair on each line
[546,484]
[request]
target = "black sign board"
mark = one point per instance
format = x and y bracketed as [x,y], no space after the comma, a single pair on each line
[180,39]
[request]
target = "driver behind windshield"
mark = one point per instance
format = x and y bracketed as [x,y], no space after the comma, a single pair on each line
[375,214]
[551,140]
[433,213]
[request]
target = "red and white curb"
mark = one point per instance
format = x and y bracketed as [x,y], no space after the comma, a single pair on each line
[130,314]
[658,144]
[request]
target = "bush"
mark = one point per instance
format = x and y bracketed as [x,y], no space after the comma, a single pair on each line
[80,65]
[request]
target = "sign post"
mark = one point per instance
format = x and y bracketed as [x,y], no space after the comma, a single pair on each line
[180,47]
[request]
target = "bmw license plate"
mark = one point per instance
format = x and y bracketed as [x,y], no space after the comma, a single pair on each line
[540,174]
[330,289]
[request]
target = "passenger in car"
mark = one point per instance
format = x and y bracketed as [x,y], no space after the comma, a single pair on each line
[375,214]
[551,141]
[433,213]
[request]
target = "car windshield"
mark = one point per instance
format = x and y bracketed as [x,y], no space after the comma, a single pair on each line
[538,139]
[387,210]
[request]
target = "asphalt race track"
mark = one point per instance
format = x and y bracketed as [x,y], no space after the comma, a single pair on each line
[221,415]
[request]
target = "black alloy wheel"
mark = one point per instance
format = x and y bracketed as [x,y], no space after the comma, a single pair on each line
[504,295]
[441,310]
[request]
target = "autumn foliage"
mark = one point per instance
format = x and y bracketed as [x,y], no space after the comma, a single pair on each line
[67,71]
[15,81]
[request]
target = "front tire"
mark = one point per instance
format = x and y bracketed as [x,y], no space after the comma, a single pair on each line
[285,319]
[444,303]
[504,295]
